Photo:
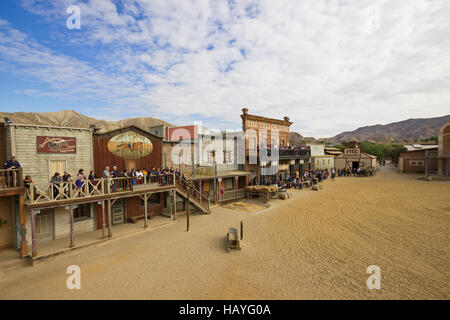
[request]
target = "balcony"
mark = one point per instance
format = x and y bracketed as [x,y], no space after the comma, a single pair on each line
[96,189]
[10,181]
[282,153]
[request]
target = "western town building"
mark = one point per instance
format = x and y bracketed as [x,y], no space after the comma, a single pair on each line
[265,137]
[353,158]
[38,210]
[320,159]
[208,159]
[42,151]
[428,159]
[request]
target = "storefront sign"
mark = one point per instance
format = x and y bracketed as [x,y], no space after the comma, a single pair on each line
[130,145]
[352,153]
[56,145]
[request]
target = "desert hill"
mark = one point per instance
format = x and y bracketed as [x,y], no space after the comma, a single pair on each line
[70,118]
[410,130]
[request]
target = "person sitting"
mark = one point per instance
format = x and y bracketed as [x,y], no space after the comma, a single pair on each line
[11,165]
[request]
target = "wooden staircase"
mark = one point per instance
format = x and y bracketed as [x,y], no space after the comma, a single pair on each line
[196,199]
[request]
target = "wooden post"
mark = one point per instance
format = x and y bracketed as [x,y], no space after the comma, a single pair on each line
[23,230]
[215,191]
[242,229]
[72,239]
[31,192]
[103,220]
[109,220]
[33,233]
[187,208]
[145,210]
[174,216]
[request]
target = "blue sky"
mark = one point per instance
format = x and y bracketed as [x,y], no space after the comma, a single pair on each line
[331,66]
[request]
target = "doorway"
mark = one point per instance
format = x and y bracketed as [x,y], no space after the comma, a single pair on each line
[44,225]
[118,212]
[355,165]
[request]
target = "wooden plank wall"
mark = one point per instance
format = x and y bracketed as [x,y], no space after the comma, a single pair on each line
[37,165]
[103,157]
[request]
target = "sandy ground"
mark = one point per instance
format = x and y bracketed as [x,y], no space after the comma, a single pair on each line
[316,245]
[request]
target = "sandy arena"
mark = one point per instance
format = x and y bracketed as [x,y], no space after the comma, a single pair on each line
[317,245]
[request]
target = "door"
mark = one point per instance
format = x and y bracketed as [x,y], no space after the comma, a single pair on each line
[44,225]
[130,164]
[56,166]
[355,165]
[118,212]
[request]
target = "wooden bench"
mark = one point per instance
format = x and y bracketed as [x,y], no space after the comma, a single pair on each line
[135,219]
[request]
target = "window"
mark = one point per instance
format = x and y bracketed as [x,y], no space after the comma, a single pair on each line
[227,156]
[211,156]
[56,166]
[82,211]
[152,200]
[416,163]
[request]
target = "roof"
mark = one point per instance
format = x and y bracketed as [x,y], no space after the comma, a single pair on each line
[223,174]
[416,147]
[44,126]
[125,129]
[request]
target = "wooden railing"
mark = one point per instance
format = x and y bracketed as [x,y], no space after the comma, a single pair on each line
[96,187]
[233,195]
[187,187]
[280,152]
[11,178]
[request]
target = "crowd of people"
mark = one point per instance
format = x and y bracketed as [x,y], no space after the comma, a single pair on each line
[307,179]
[113,180]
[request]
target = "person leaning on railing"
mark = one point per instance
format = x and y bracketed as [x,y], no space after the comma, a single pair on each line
[92,178]
[56,181]
[27,183]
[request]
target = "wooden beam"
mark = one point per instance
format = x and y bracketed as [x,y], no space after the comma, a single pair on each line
[103,220]
[109,220]
[145,211]
[174,215]
[33,233]
[72,231]
[187,208]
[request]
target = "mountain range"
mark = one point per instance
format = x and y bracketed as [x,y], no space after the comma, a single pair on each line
[410,130]
[403,131]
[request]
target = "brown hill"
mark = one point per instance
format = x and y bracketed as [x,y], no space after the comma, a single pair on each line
[70,118]
[407,130]
[410,130]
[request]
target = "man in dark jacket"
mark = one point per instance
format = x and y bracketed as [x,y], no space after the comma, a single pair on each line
[11,165]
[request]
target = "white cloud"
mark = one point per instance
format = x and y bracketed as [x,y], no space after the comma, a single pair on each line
[331,66]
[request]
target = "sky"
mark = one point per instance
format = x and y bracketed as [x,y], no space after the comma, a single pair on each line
[329,65]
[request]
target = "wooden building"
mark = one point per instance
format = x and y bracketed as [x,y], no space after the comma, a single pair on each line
[415,161]
[42,151]
[353,158]
[262,134]
[129,148]
[443,156]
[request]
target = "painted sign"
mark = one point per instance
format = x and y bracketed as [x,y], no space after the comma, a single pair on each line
[352,153]
[130,145]
[56,145]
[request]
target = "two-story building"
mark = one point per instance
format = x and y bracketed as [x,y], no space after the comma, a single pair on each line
[267,148]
